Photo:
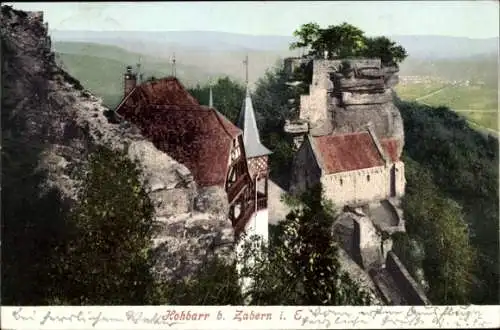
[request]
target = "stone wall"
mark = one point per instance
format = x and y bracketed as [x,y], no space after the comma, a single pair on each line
[357,187]
[413,294]
[352,187]
[400,178]
[366,248]
[305,169]
[54,111]
[313,107]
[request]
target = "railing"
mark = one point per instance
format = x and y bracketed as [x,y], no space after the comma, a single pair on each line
[243,218]
[261,203]
[236,188]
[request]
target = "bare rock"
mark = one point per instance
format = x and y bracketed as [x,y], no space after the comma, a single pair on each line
[48,108]
[212,200]
[353,92]
[357,98]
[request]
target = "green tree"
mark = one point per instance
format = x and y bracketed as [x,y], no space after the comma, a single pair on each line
[270,101]
[341,41]
[346,41]
[33,221]
[300,265]
[307,34]
[384,48]
[463,163]
[438,223]
[216,283]
[228,96]
[107,260]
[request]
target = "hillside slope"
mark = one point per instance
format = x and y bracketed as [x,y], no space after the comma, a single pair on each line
[50,124]
[100,68]
[418,46]
[477,68]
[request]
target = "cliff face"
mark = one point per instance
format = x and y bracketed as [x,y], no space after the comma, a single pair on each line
[345,95]
[42,105]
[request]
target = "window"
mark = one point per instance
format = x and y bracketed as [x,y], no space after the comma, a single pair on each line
[341,181]
[235,152]
[368,178]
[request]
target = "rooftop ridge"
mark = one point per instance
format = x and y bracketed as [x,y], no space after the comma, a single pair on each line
[219,116]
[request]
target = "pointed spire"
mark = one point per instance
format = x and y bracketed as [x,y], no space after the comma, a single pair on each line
[251,136]
[211,100]
[246,70]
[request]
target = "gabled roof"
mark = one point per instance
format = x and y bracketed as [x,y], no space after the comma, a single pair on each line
[251,136]
[346,152]
[162,91]
[197,136]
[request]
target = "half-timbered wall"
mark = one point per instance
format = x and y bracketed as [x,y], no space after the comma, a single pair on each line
[258,165]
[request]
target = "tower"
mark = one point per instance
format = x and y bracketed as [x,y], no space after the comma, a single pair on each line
[211,99]
[129,81]
[257,159]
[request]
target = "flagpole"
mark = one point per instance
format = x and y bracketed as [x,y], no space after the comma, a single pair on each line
[246,69]
[173,66]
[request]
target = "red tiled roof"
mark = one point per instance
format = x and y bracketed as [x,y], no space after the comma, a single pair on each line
[229,127]
[391,148]
[162,91]
[196,136]
[347,152]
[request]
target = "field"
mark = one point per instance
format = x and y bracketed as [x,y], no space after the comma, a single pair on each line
[466,98]
[479,104]
[413,91]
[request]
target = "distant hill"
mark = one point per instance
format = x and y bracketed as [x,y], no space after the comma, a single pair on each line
[424,47]
[198,62]
[220,41]
[441,47]
[100,68]
[475,68]
[98,58]
[214,52]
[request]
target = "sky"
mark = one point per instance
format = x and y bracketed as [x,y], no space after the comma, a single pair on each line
[466,18]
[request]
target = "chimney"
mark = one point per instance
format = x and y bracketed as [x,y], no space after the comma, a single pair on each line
[129,81]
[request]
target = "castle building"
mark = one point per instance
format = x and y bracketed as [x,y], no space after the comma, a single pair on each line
[348,133]
[354,168]
[349,137]
[197,136]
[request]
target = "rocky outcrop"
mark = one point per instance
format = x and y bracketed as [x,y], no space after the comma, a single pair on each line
[47,107]
[345,95]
